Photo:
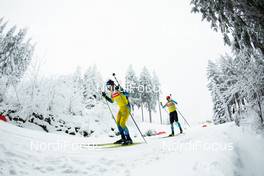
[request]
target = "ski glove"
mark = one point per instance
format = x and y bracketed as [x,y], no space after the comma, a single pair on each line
[106,97]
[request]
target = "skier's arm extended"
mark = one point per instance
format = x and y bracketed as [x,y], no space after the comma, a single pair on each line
[174,101]
[106,97]
[163,106]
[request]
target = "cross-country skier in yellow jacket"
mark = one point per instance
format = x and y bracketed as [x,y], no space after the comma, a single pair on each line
[120,97]
[171,105]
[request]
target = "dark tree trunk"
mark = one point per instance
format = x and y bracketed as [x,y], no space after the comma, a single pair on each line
[160,111]
[150,115]
[229,113]
[142,113]
[260,111]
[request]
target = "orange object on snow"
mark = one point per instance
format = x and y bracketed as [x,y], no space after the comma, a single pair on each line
[161,132]
[3,118]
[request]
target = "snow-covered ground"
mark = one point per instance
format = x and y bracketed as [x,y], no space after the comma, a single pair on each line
[223,150]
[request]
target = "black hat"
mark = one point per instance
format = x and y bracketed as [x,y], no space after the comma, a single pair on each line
[110,82]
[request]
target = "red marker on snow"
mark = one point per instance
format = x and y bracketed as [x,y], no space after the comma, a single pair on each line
[3,118]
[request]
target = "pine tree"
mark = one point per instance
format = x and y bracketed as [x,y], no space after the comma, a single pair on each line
[234,81]
[15,55]
[146,92]
[242,19]
[157,92]
[250,71]
[214,82]
[131,85]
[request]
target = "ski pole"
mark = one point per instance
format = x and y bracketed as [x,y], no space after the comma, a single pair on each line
[137,126]
[109,109]
[180,114]
[114,75]
[163,108]
[183,117]
[130,113]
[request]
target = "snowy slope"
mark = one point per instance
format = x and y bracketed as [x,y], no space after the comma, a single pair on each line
[217,150]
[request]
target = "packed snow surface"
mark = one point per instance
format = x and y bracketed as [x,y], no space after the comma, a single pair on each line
[223,150]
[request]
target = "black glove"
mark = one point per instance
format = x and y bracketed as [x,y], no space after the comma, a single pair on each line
[116,87]
[106,97]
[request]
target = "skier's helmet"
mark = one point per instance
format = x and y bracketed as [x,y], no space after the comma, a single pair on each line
[110,82]
[168,97]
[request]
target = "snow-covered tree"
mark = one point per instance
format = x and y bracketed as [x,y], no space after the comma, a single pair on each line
[238,78]
[214,86]
[92,85]
[242,19]
[147,95]
[235,81]
[131,85]
[156,86]
[250,71]
[15,56]
[75,105]
[156,92]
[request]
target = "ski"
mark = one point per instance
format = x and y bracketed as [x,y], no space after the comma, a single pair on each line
[120,145]
[100,144]
[178,134]
[108,145]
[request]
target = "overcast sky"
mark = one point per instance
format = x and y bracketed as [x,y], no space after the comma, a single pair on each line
[160,34]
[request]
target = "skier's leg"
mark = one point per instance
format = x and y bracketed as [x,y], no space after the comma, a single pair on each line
[123,120]
[120,129]
[171,122]
[177,121]
[179,125]
[172,130]
[126,132]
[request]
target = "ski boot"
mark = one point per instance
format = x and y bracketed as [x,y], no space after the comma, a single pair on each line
[172,134]
[181,131]
[128,141]
[120,141]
